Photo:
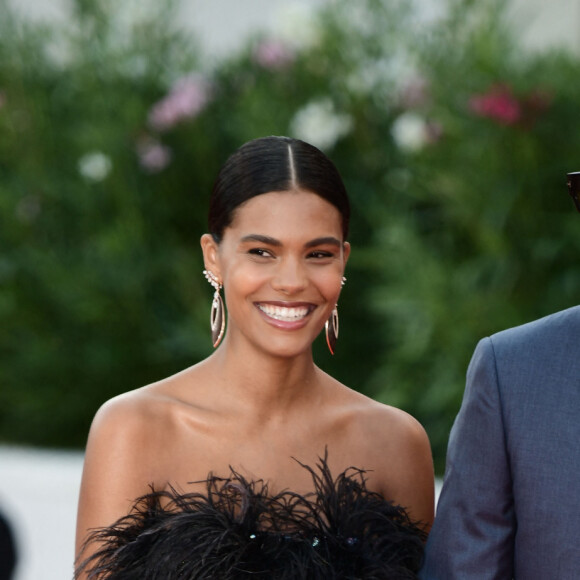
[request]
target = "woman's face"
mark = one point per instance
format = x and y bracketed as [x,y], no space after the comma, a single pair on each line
[281,262]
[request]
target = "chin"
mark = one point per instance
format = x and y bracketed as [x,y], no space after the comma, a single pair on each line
[286,351]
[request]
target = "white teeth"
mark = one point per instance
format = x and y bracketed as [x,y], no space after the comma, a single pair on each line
[282,313]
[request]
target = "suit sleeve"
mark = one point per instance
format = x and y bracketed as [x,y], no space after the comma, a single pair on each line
[473,534]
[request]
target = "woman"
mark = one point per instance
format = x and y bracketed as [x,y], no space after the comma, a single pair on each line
[268,426]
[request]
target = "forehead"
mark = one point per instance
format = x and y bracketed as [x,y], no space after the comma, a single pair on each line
[296,210]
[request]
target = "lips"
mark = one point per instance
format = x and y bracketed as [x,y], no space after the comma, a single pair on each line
[285,313]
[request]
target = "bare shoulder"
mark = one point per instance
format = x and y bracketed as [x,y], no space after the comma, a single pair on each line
[123,434]
[145,410]
[404,462]
[394,447]
[135,423]
[395,425]
[377,431]
[126,453]
[130,411]
[122,420]
[384,423]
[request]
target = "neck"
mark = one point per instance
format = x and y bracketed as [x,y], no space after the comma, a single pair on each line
[263,384]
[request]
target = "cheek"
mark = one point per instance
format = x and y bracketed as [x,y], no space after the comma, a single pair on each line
[245,275]
[329,284]
[241,282]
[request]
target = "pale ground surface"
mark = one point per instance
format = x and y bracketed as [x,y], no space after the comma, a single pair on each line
[38,494]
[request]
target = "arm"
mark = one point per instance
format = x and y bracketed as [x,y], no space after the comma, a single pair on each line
[403,463]
[415,484]
[473,533]
[116,470]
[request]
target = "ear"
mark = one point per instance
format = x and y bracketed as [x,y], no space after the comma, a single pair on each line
[345,251]
[210,248]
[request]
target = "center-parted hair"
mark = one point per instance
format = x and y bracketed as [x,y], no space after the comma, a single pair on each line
[274,164]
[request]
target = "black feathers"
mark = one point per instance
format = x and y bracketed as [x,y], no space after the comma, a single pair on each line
[237,530]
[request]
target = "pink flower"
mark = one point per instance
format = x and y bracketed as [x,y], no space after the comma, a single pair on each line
[153,156]
[498,104]
[186,99]
[273,54]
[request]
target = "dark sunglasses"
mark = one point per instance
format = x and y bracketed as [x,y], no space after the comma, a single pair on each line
[574,188]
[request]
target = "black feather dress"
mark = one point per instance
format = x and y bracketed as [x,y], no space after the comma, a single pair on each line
[237,530]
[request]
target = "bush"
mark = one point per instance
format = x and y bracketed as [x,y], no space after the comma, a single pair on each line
[453,141]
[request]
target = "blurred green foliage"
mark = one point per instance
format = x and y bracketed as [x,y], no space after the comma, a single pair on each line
[453,141]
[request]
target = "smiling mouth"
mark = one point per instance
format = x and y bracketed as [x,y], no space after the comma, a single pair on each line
[285,314]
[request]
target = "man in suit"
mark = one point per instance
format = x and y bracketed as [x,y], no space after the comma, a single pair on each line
[510,503]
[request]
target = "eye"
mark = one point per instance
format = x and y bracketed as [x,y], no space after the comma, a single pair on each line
[260,252]
[321,255]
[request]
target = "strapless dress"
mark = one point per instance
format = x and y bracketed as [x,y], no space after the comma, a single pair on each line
[236,529]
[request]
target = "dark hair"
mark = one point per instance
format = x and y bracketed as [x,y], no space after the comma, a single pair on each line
[274,164]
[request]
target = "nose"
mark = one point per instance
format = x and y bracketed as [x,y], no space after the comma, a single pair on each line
[290,276]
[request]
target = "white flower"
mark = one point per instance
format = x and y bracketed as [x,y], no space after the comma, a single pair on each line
[371,76]
[95,166]
[410,132]
[356,18]
[297,25]
[319,124]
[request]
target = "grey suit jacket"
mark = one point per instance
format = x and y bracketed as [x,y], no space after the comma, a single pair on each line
[510,503]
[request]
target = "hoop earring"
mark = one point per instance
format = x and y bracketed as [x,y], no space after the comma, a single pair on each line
[217,317]
[331,328]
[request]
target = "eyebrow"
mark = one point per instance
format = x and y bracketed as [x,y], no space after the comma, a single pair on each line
[274,242]
[323,241]
[263,239]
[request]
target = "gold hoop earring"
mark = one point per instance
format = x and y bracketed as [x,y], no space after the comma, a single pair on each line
[217,318]
[331,325]
[331,328]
